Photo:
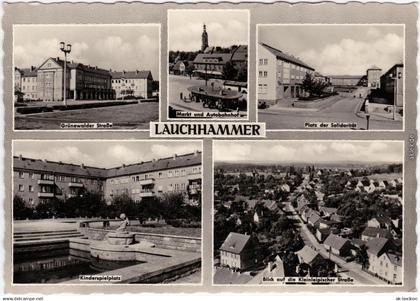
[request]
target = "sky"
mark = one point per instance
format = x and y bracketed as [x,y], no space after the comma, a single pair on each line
[104,154]
[339,49]
[128,47]
[224,27]
[308,151]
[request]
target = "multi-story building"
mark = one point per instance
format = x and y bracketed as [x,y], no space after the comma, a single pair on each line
[26,82]
[37,180]
[374,77]
[237,251]
[346,80]
[280,75]
[136,84]
[392,83]
[83,82]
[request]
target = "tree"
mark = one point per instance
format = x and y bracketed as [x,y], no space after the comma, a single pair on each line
[229,71]
[20,210]
[363,257]
[189,70]
[242,74]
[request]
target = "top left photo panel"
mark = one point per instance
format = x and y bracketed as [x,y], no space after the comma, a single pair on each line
[86,77]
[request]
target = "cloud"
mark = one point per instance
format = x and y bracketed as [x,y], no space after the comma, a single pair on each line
[161,150]
[350,56]
[294,151]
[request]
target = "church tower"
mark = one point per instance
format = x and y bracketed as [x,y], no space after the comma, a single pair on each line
[204,39]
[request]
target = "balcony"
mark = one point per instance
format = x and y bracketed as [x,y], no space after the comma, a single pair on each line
[45,194]
[147,193]
[147,182]
[196,176]
[46,182]
[76,185]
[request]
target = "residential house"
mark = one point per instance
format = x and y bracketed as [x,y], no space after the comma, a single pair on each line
[371,233]
[237,251]
[337,245]
[309,256]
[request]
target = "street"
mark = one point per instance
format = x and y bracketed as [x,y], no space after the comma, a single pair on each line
[343,110]
[351,269]
[178,84]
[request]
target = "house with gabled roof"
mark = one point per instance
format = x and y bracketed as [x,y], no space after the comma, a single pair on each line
[337,245]
[371,233]
[237,251]
[309,256]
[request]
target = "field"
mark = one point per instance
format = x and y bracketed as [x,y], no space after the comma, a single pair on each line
[136,116]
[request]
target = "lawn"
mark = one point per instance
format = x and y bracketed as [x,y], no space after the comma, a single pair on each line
[135,116]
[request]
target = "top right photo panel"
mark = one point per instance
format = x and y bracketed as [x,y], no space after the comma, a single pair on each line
[331,76]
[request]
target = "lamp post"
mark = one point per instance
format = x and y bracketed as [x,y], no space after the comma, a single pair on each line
[66,49]
[395,77]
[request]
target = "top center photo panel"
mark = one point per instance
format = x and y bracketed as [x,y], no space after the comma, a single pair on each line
[208,64]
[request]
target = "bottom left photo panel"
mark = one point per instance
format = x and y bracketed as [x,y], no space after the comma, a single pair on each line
[106,211]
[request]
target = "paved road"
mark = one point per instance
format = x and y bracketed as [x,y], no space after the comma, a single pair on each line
[343,110]
[351,269]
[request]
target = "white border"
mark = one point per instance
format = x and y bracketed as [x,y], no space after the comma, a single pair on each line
[158,25]
[314,287]
[151,141]
[248,11]
[330,24]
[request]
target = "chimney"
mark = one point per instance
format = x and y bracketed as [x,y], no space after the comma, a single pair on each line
[196,152]
[269,266]
[44,160]
[175,156]
[153,160]
[123,72]
[60,162]
[123,165]
[82,165]
[20,157]
[58,58]
[137,71]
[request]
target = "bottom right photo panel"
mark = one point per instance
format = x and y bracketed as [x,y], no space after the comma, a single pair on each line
[289,212]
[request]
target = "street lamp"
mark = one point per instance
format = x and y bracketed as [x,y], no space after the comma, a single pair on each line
[395,78]
[66,49]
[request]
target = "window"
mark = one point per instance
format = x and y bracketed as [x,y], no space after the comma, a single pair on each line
[21,188]
[31,175]
[265,61]
[21,174]
[31,188]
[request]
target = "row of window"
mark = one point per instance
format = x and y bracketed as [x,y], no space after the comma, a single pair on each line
[51,177]
[126,81]
[159,175]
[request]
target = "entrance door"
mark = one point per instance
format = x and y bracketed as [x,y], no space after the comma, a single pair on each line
[49,86]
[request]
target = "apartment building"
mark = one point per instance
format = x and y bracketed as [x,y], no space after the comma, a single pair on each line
[280,75]
[38,180]
[136,84]
[392,83]
[26,82]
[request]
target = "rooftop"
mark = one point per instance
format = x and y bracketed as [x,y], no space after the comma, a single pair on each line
[307,254]
[377,246]
[335,241]
[89,171]
[235,243]
[131,74]
[286,57]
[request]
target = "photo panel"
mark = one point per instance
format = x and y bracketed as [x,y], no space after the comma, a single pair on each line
[208,64]
[130,213]
[86,77]
[331,76]
[290,213]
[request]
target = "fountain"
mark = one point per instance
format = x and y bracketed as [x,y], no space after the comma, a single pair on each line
[120,245]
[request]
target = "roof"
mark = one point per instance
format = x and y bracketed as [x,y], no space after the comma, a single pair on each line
[177,65]
[358,242]
[327,210]
[377,246]
[240,53]
[89,171]
[395,259]
[28,72]
[131,74]
[235,83]
[376,232]
[222,58]
[80,66]
[345,76]
[383,220]
[335,241]
[314,218]
[160,164]
[235,243]
[307,254]
[286,57]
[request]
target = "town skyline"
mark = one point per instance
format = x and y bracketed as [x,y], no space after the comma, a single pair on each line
[338,49]
[320,152]
[185,28]
[115,153]
[131,47]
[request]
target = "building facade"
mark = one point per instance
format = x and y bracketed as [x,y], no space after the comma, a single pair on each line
[280,75]
[346,80]
[26,83]
[83,82]
[137,84]
[374,77]
[392,83]
[38,180]
[236,251]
